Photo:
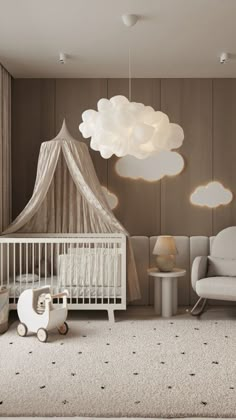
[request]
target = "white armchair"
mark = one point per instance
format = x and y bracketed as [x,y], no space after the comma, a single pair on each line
[214,277]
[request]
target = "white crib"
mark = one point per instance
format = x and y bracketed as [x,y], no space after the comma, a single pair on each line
[92,267]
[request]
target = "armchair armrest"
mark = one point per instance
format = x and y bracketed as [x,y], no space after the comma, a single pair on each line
[199,270]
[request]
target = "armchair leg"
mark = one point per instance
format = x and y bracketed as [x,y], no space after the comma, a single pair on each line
[195,311]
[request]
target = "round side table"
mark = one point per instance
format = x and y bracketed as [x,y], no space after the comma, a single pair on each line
[165,285]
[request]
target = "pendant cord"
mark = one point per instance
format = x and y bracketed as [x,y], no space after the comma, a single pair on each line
[130,83]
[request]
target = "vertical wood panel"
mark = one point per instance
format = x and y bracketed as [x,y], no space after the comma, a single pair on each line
[224,151]
[140,246]
[73,96]
[139,201]
[32,123]
[188,102]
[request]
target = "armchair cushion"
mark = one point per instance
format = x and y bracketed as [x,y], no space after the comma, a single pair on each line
[199,270]
[221,267]
[222,288]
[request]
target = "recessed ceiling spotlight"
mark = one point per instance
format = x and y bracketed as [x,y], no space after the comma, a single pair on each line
[129,20]
[62,58]
[224,57]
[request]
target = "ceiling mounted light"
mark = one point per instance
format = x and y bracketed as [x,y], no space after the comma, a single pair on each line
[224,57]
[129,20]
[122,127]
[62,57]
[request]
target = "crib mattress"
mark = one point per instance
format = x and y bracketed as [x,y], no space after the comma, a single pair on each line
[15,289]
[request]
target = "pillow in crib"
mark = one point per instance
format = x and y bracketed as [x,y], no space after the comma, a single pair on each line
[27,278]
[221,267]
[45,269]
[79,250]
[72,250]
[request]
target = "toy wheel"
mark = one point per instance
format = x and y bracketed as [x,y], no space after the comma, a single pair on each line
[22,330]
[42,335]
[63,329]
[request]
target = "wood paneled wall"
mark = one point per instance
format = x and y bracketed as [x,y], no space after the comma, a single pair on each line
[204,107]
[189,103]
[206,110]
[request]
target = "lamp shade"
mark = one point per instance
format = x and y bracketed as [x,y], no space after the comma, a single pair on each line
[165,245]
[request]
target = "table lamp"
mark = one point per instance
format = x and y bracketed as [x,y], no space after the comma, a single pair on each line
[165,249]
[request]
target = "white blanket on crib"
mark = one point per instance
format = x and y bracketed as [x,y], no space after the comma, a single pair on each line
[90,267]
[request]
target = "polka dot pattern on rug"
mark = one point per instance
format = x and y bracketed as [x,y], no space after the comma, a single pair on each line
[149,368]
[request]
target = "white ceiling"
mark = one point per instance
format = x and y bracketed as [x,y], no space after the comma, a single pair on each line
[174,38]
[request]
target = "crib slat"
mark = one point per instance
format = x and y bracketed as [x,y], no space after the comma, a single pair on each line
[39,263]
[59,274]
[77,277]
[89,271]
[14,269]
[64,252]
[45,263]
[96,273]
[8,257]
[123,270]
[115,285]
[2,245]
[84,272]
[20,256]
[71,270]
[117,270]
[51,265]
[109,277]
[26,262]
[32,245]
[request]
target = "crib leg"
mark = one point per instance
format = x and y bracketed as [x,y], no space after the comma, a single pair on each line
[111,316]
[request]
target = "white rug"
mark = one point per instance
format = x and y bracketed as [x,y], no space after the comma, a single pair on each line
[150,368]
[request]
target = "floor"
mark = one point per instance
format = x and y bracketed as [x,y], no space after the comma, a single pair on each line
[104,418]
[143,313]
[147,312]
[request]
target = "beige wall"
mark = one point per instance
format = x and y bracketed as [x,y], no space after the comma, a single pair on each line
[205,109]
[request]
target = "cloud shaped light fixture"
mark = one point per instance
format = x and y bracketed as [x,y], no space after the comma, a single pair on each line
[211,195]
[122,128]
[152,168]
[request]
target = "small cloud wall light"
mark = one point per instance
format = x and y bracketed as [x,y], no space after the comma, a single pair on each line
[111,198]
[153,168]
[212,195]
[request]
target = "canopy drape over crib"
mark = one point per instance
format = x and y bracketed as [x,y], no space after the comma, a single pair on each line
[68,198]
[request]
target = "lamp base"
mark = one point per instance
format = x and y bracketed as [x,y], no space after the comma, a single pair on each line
[165,262]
